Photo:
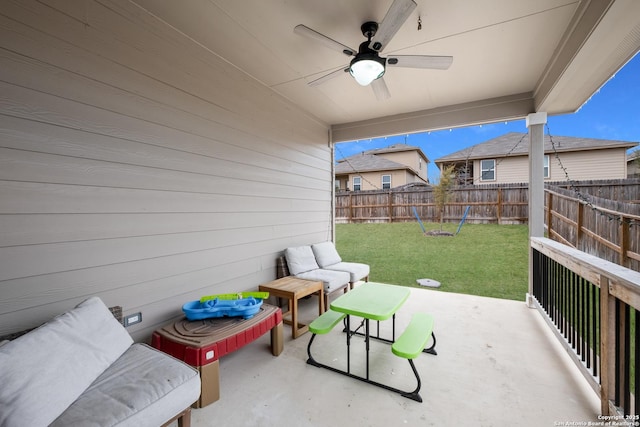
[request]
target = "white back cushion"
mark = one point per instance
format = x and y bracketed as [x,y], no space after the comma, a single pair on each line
[44,371]
[326,254]
[300,259]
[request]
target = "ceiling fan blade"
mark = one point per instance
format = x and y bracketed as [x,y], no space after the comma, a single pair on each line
[305,31]
[391,23]
[380,89]
[420,61]
[329,76]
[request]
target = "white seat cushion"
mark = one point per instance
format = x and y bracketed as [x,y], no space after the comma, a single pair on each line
[300,259]
[332,279]
[144,387]
[326,254]
[356,270]
[44,371]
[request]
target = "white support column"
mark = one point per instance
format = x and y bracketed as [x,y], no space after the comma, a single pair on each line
[535,124]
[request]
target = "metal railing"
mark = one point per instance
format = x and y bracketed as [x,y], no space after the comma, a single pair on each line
[592,306]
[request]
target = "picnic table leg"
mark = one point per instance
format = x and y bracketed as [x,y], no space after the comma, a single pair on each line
[366,339]
[415,394]
[432,349]
[348,327]
[310,359]
[393,330]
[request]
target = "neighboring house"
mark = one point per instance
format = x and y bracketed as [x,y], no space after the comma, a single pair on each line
[633,164]
[505,159]
[382,168]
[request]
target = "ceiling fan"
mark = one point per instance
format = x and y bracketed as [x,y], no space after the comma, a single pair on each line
[367,67]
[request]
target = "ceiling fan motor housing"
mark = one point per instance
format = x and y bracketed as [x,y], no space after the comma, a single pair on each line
[369,29]
[364,51]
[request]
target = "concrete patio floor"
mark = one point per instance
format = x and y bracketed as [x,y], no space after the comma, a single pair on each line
[497,365]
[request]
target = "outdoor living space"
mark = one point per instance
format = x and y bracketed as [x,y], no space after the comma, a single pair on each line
[155,152]
[498,364]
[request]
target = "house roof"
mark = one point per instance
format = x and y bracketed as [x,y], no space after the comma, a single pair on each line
[517,144]
[365,163]
[396,148]
[510,58]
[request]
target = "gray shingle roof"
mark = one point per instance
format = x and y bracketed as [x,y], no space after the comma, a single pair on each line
[366,162]
[393,148]
[517,144]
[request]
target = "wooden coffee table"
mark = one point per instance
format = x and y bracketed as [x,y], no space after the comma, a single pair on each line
[293,289]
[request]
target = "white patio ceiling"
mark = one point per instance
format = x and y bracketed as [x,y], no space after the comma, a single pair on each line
[511,57]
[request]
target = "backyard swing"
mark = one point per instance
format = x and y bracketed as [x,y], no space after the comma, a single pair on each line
[430,282]
[464,217]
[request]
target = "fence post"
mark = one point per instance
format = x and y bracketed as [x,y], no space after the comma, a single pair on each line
[624,241]
[350,208]
[390,206]
[549,213]
[579,222]
[499,207]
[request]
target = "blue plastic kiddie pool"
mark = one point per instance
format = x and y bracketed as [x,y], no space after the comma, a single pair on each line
[243,307]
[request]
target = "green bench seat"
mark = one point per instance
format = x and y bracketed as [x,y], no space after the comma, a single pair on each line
[415,337]
[412,342]
[326,322]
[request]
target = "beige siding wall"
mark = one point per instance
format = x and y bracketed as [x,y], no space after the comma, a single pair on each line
[373,180]
[580,165]
[139,167]
[595,164]
[512,169]
[409,158]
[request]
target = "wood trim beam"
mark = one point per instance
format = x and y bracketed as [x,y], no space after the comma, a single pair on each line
[507,108]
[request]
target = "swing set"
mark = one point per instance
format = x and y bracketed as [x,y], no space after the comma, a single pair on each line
[464,217]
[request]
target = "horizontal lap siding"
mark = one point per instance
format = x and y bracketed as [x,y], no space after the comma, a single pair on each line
[139,167]
[575,165]
[585,165]
[512,169]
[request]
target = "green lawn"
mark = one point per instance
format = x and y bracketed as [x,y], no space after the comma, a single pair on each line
[484,259]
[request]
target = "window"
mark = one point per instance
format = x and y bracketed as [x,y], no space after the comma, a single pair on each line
[337,184]
[386,182]
[419,164]
[546,167]
[487,170]
[357,183]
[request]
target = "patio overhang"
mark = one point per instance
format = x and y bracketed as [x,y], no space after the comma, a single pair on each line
[510,58]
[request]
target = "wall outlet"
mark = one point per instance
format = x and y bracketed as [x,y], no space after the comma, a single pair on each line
[132,319]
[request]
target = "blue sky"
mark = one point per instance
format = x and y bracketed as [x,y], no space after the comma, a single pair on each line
[612,113]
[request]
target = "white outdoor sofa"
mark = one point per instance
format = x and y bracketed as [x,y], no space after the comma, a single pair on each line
[83,369]
[322,262]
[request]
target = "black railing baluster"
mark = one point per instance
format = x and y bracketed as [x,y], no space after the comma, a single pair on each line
[618,356]
[595,323]
[585,316]
[579,330]
[572,316]
[636,357]
[626,389]
[567,310]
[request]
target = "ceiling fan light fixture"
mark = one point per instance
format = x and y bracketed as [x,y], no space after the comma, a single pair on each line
[365,68]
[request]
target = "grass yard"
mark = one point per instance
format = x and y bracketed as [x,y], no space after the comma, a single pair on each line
[484,259]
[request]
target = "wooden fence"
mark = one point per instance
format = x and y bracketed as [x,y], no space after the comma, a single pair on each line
[502,204]
[600,218]
[606,228]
